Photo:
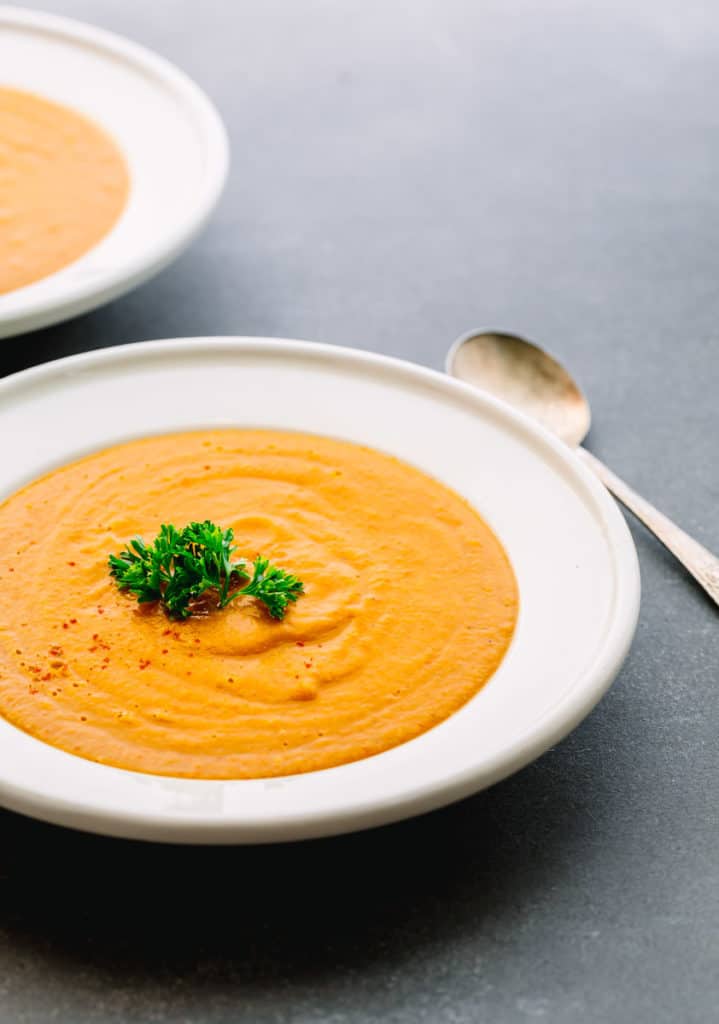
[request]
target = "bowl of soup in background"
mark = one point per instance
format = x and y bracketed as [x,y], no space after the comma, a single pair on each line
[112,161]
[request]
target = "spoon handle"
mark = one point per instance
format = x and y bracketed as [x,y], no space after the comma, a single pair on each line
[696,559]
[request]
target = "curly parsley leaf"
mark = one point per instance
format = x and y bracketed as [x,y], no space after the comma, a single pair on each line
[192,567]
[275,587]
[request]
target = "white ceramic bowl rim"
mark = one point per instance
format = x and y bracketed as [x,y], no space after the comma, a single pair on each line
[191,816]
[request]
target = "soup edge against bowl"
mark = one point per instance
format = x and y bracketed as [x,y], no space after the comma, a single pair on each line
[334,475]
[94,131]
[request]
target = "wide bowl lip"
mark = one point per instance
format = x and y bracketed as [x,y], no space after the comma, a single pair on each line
[563,717]
[80,295]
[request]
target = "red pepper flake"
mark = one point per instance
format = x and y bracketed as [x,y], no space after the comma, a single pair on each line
[33,689]
[100,611]
[144,662]
[308,664]
[300,643]
[73,621]
[71,563]
[65,625]
[56,650]
[10,569]
[164,650]
[95,636]
[48,675]
[197,640]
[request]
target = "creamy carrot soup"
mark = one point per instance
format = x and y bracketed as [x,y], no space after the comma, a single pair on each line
[409,606]
[63,184]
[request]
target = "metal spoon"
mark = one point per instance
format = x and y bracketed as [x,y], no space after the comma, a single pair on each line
[524,376]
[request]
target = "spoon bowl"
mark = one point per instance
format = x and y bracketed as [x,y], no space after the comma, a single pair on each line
[525,376]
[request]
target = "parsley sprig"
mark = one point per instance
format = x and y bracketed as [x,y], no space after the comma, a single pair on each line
[193,567]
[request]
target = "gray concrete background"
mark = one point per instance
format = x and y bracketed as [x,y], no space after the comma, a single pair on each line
[403,172]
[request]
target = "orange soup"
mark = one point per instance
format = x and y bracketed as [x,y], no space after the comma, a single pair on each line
[409,606]
[63,184]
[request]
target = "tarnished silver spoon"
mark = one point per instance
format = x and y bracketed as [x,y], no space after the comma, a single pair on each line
[525,376]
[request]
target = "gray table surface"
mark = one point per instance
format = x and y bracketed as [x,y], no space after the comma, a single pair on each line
[403,172]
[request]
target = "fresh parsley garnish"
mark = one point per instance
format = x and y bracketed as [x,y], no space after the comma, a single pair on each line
[192,568]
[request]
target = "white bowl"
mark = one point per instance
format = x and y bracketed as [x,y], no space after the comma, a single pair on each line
[168,131]
[571,550]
